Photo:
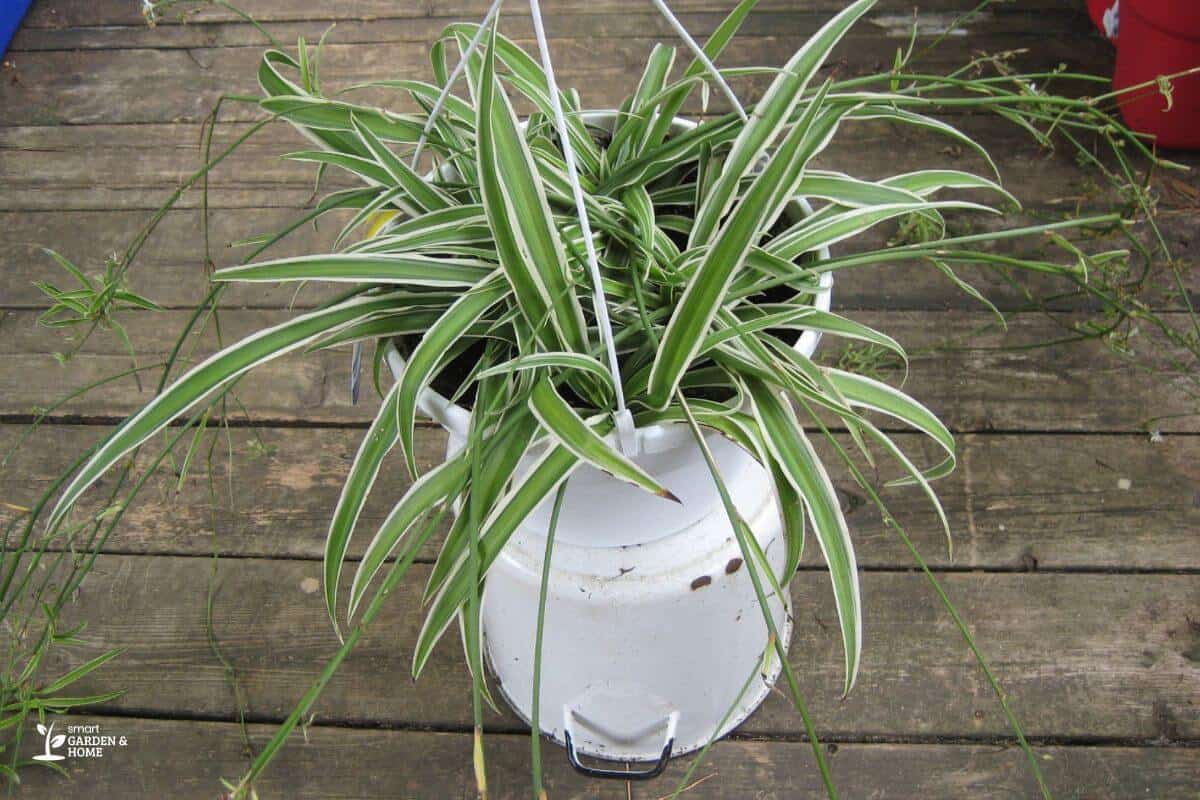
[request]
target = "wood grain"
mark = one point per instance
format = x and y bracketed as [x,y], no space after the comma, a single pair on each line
[1024,502]
[171,268]
[1098,657]
[1076,564]
[82,13]
[49,87]
[103,166]
[1066,387]
[341,763]
[113,28]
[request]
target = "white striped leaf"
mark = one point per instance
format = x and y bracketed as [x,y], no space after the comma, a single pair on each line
[430,350]
[555,466]
[791,450]
[205,377]
[424,195]
[768,195]
[771,115]
[527,241]
[571,431]
[385,268]
[380,438]
[434,487]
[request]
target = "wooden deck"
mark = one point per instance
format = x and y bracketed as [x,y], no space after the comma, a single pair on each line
[1077,552]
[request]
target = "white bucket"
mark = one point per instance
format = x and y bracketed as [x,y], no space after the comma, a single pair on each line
[652,624]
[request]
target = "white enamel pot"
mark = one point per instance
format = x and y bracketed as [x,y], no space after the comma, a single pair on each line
[652,624]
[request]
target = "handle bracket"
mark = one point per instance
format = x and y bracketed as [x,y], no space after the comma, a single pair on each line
[653,771]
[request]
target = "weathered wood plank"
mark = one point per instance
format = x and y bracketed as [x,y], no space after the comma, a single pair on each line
[1065,387]
[154,85]
[56,169]
[1102,657]
[78,13]
[171,267]
[102,167]
[890,20]
[186,760]
[1080,655]
[1015,502]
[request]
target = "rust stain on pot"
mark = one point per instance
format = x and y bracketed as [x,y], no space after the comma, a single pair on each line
[701,582]
[733,566]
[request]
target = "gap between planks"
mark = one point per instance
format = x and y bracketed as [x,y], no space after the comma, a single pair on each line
[504,729]
[350,425]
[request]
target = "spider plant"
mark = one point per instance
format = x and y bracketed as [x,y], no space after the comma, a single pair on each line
[566,275]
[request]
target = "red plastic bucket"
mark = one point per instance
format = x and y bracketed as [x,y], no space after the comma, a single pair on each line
[1160,37]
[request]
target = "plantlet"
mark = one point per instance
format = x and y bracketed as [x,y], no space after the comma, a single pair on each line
[92,303]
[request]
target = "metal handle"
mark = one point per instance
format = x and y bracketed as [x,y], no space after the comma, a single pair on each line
[653,771]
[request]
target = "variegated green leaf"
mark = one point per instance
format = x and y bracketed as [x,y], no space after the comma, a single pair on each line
[527,242]
[200,380]
[674,97]
[771,114]
[865,392]
[791,450]
[380,438]
[770,192]
[527,76]
[428,354]
[539,482]
[913,119]
[806,318]
[817,232]
[383,268]
[558,360]
[570,430]
[425,195]
[927,181]
[432,488]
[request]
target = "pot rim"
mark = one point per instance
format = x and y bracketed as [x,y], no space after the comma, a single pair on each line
[457,420]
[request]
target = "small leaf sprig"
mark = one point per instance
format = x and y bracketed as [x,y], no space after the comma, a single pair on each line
[93,303]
